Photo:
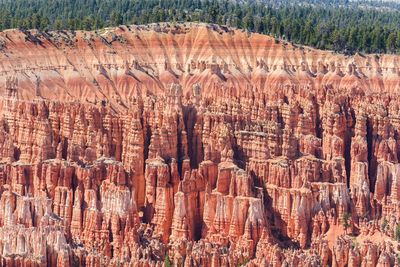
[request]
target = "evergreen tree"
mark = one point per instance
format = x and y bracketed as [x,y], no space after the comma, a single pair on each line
[116,18]
[58,24]
[87,23]
[248,22]
[391,42]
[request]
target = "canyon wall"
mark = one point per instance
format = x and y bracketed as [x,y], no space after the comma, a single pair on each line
[195,144]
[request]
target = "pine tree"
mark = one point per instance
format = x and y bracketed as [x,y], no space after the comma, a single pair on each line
[391,43]
[58,24]
[248,22]
[116,18]
[87,23]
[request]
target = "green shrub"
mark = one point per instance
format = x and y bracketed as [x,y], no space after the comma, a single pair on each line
[346,221]
[167,261]
[397,232]
[384,224]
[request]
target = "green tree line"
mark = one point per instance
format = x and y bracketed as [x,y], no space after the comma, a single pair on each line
[342,28]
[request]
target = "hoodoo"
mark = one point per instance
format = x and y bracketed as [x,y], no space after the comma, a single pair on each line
[196,143]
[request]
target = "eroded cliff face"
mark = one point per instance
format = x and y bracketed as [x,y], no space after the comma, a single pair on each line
[212,146]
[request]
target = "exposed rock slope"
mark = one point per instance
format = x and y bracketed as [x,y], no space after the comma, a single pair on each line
[213,146]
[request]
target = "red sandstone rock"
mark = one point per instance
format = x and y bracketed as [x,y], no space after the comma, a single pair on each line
[171,143]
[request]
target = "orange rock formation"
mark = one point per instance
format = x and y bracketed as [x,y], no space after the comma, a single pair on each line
[213,146]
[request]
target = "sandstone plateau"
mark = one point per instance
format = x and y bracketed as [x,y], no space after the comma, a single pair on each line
[216,147]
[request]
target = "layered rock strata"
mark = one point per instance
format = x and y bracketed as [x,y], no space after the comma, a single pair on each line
[197,144]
